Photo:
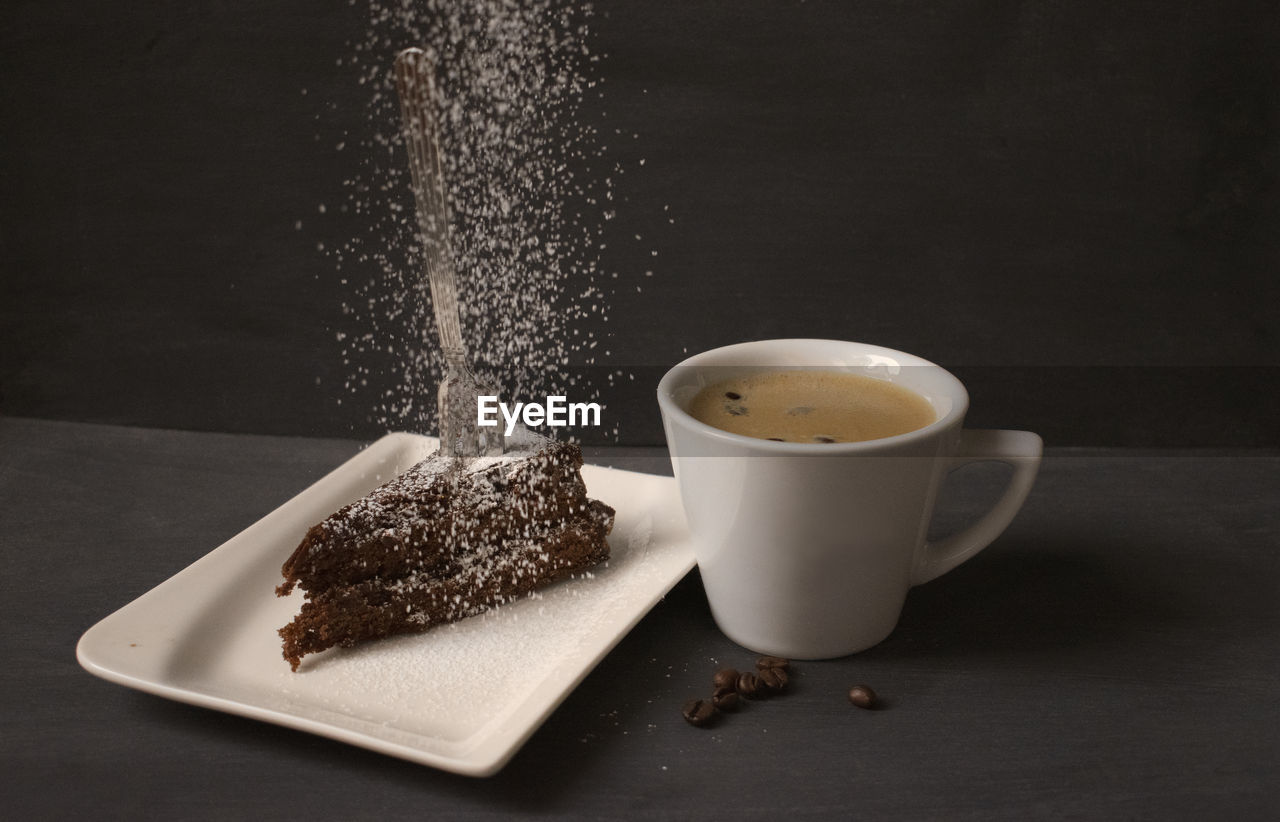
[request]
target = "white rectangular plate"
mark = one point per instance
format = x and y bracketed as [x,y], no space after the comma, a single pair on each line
[461,697]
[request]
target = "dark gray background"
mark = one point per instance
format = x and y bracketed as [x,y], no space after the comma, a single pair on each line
[1071,204]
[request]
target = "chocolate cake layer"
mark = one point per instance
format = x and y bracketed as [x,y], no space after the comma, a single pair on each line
[445,540]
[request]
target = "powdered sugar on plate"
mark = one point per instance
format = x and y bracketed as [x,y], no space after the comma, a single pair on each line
[462,698]
[455,680]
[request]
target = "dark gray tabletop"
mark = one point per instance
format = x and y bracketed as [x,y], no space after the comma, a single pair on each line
[1113,655]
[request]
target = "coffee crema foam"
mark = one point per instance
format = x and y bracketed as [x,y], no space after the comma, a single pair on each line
[811,406]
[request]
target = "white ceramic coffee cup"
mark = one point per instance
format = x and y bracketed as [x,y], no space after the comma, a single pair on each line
[808,550]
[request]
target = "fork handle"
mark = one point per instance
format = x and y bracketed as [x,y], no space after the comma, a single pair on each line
[416,88]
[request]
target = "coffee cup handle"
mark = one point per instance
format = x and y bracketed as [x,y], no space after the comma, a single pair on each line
[1019,449]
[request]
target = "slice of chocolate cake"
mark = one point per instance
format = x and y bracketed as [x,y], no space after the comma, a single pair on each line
[447,539]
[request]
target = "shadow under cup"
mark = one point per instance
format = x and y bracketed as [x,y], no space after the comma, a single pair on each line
[807,550]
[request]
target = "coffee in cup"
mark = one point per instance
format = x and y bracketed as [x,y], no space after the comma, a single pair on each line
[811,405]
[807,549]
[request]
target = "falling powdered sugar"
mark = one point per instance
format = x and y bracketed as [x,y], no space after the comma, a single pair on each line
[529,188]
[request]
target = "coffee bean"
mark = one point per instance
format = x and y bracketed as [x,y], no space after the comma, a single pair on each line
[773,679]
[862,696]
[772,662]
[749,686]
[699,712]
[725,678]
[726,699]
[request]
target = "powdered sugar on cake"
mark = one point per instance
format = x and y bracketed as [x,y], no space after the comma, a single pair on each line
[444,541]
